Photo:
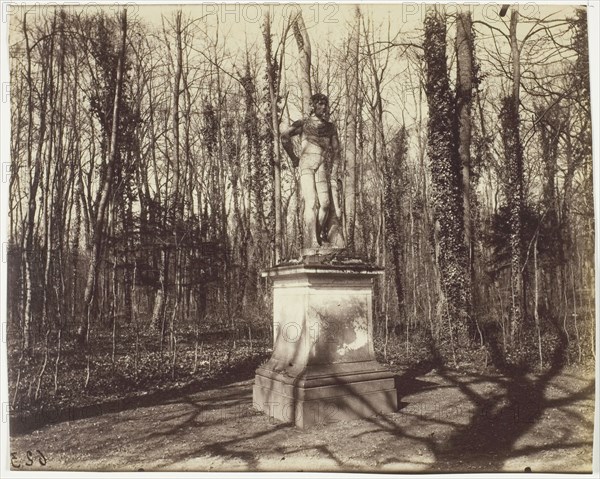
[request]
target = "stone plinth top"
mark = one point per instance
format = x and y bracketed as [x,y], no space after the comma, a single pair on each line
[349,268]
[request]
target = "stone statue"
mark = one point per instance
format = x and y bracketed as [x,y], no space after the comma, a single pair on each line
[320,182]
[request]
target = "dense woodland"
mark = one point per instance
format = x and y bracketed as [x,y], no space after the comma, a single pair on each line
[148,188]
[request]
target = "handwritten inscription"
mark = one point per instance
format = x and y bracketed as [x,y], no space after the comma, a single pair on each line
[17,461]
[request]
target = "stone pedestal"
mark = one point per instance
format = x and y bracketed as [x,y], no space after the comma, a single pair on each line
[323,367]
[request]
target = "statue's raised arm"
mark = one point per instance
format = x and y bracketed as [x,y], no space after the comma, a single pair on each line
[286,140]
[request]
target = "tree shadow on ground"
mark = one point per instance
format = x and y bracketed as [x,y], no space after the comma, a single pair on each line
[26,423]
[495,411]
[488,415]
[501,408]
[501,417]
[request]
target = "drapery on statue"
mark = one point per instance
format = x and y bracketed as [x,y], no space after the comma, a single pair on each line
[320,181]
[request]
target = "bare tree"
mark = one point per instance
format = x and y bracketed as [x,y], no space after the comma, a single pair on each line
[352,90]
[100,220]
[273,115]
[304,56]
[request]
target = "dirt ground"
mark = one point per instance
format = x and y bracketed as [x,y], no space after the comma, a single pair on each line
[446,422]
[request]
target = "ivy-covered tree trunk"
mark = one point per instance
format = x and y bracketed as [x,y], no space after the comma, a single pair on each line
[514,195]
[464,88]
[395,195]
[446,186]
[513,191]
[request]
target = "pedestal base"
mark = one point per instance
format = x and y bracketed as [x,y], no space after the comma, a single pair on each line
[325,399]
[323,367]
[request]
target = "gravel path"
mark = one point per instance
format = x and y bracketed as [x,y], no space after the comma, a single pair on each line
[447,422]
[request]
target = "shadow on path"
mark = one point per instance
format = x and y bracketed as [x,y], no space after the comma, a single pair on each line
[25,423]
[499,416]
[447,421]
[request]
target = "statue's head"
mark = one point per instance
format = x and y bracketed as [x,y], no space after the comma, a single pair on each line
[320,105]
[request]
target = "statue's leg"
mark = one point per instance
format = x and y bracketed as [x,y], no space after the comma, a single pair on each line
[310,203]
[322,187]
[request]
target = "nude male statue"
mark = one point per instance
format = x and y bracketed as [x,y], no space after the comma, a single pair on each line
[319,164]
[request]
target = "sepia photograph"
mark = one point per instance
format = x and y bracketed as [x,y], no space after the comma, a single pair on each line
[305,237]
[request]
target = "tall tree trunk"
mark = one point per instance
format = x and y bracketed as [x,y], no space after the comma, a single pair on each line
[77,195]
[350,183]
[394,186]
[175,115]
[516,56]
[464,87]
[274,117]
[178,183]
[510,122]
[50,178]
[35,169]
[446,182]
[98,234]
[304,56]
